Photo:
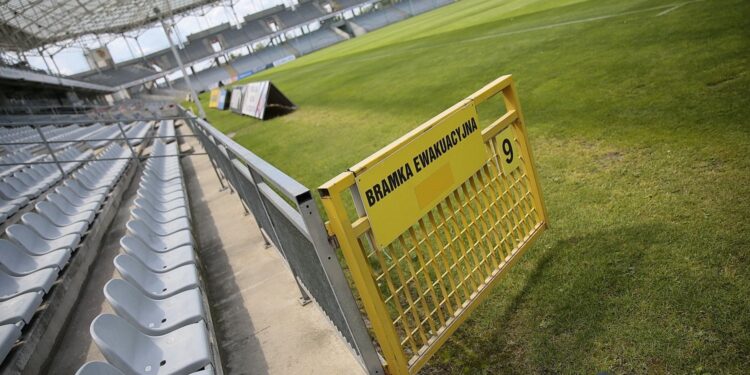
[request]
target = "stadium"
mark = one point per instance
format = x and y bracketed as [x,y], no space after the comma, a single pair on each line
[374,187]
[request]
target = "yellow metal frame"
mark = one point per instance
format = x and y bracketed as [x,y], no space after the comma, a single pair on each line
[418,290]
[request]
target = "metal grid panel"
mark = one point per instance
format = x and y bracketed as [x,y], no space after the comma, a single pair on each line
[420,287]
[429,272]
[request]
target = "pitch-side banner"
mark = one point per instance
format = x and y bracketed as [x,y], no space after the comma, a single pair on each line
[254,99]
[235,102]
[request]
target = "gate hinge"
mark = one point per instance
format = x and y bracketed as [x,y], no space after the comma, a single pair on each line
[333,241]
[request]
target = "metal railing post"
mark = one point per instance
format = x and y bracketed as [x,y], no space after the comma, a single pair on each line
[49,149]
[127,142]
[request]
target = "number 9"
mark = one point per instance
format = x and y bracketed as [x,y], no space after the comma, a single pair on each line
[508,150]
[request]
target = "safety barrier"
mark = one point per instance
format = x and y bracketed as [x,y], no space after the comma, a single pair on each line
[441,214]
[289,218]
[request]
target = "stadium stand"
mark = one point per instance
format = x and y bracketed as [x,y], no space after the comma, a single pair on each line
[379,18]
[415,7]
[137,132]
[315,40]
[256,29]
[121,75]
[41,251]
[25,184]
[159,304]
[304,12]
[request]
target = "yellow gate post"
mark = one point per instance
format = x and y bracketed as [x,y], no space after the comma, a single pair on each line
[441,214]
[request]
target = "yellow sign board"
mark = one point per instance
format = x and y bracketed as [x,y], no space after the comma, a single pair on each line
[214,102]
[409,182]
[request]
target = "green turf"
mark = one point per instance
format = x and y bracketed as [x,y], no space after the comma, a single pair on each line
[640,125]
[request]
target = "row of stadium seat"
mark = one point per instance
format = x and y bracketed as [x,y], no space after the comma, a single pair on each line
[103,136]
[166,131]
[161,322]
[26,184]
[14,162]
[40,248]
[137,132]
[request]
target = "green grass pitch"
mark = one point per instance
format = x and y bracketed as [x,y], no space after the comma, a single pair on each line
[639,116]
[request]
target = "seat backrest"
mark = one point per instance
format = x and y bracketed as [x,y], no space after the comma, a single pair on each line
[53,213]
[26,237]
[127,300]
[140,229]
[132,270]
[12,257]
[121,343]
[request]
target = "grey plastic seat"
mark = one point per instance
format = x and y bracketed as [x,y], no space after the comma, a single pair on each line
[8,192]
[78,186]
[182,351]
[21,189]
[98,368]
[76,201]
[65,206]
[157,262]
[157,242]
[48,229]
[181,222]
[9,333]
[160,187]
[154,316]
[18,262]
[156,285]
[163,177]
[59,218]
[11,286]
[161,215]
[162,206]
[11,206]
[20,308]
[165,199]
[160,228]
[82,196]
[34,244]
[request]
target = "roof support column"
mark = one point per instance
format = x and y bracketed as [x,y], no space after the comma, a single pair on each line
[184,71]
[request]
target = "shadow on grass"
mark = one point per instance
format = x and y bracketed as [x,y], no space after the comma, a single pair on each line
[552,310]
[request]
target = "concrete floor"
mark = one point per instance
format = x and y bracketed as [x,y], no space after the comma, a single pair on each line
[260,325]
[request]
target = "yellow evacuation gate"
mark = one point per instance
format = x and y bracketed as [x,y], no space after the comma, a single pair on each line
[441,214]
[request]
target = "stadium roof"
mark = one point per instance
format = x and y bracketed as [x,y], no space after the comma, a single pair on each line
[27,24]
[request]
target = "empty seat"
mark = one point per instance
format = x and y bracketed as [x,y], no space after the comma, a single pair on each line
[9,333]
[11,286]
[35,244]
[98,368]
[154,316]
[157,262]
[69,208]
[181,351]
[157,242]
[74,201]
[59,218]
[168,206]
[20,308]
[156,285]
[18,262]
[48,229]
[159,215]
[159,227]
[74,195]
